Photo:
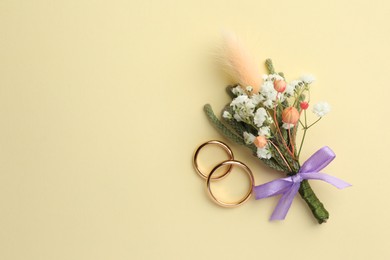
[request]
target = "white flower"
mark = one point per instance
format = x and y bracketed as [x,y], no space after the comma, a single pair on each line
[243,108]
[264,131]
[256,99]
[269,93]
[248,138]
[272,77]
[238,91]
[260,117]
[238,117]
[321,109]
[227,115]
[275,77]
[268,103]
[296,83]
[290,88]
[287,126]
[249,89]
[308,78]
[239,101]
[266,87]
[264,153]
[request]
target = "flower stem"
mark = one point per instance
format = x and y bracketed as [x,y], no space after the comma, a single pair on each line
[221,127]
[278,129]
[303,88]
[291,141]
[314,123]
[281,155]
[304,134]
[315,205]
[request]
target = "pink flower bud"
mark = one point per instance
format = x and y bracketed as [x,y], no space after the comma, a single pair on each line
[280,85]
[304,105]
[260,141]
[290,115]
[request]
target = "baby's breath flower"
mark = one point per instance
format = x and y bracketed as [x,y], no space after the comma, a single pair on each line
[248,138]
[260,117]
[237,91]
[243,108]
[265,131]
[321,109]
[239,101]
[290,88]
[256,99]
[308,78]
[275,77]
[227,115]
[269,93]
[269,103]
[238,117]
[287,126]
[264,153]
[249,89]
[295,83]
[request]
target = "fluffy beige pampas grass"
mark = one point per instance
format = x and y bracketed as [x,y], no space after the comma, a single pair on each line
[239,64]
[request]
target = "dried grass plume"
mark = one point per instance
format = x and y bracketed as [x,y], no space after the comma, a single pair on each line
[239,64]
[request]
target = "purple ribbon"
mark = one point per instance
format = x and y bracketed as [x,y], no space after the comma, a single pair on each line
[289,186]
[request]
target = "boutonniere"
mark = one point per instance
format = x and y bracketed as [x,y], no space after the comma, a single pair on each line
[265,114]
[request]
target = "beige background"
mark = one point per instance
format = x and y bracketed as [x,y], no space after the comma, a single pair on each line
[101,110]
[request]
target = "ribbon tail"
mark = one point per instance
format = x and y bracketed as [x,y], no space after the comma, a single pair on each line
[285,202]
[338,183]
[272,188]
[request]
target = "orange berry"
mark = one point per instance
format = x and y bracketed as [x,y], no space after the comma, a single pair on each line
[280,85]
[260,141]
[290,115]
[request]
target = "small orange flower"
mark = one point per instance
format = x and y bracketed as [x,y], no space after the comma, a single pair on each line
[260,141]
[280,85]
[290,115]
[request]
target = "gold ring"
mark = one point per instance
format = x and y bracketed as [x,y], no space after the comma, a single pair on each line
[219,143]
[230,204]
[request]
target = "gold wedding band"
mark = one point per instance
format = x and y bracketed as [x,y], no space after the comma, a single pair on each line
[230,204]
[228,151]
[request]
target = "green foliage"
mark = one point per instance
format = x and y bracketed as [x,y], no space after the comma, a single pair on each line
[270,66]
[221,127]
[238,127]
[272,162]
[229,91]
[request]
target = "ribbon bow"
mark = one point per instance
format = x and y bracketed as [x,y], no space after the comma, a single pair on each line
[289,186]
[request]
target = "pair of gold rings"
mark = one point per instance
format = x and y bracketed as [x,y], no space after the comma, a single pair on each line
[230,163]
